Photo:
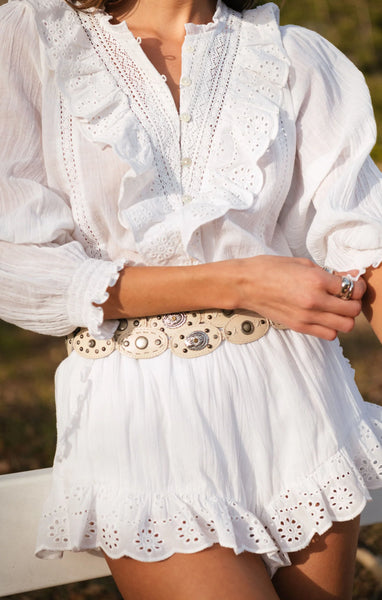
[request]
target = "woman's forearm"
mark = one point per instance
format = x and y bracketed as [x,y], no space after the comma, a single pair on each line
[372,300]
[287,290]
[143,291]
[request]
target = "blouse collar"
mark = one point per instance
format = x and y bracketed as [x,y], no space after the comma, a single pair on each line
[218,18]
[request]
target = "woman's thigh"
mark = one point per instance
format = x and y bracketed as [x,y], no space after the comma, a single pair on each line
[211,574]
[325,569]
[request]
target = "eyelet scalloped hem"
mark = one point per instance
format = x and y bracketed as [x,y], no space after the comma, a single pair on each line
[272,564]
[273,557]
[153,528]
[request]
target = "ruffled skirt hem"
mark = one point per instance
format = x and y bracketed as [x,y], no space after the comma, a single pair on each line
[90,517]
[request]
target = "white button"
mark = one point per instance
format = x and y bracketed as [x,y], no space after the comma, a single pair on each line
[185,82]
[185,117]
[186,162]
[186,199]
[188,48]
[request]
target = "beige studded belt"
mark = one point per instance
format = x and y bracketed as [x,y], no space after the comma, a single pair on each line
[186,334]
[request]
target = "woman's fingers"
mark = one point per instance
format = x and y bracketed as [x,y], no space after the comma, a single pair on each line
[318,331]
[334,321]
[323,320]
[335,285]
[360,288]
[302,296]
[333,314]
[337,306]
[319,291]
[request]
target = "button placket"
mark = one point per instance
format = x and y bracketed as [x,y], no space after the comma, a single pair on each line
[189,48]
[185,117]
[185,81]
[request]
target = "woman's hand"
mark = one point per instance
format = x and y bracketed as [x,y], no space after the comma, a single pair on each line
[299,294]
[291,291]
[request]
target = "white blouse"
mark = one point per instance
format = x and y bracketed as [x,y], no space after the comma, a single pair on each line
[268,155]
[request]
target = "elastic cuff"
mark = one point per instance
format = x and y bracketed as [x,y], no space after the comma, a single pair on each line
[89,285]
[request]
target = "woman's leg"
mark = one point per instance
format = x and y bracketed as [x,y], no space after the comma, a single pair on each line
[325,569]
[215,573]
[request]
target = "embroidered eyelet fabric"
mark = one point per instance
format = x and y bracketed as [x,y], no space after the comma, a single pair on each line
[269,154]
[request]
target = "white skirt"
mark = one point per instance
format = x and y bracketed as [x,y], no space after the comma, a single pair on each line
[255,447]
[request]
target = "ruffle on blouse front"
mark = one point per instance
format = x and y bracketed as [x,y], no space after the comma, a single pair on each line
[153,528]
[103,110]
[254,96]
[93,95]
[234,175]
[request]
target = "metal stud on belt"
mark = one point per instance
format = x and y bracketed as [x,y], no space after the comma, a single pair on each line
[186,334]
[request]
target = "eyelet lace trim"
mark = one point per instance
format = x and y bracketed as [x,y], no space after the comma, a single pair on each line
[68,151]
[153,528]
[121,101]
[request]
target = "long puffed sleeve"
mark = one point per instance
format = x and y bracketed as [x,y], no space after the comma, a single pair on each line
[48,282]
[334,209]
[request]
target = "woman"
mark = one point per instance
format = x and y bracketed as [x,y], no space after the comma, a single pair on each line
[167,163]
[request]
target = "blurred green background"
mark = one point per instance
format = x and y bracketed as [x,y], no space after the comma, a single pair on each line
[28,361]
[355,26]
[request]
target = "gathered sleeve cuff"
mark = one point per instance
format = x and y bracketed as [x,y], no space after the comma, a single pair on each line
[88,286]
[48,282]
[333,213]
[52,290]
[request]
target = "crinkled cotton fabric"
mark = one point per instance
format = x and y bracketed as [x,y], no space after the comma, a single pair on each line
[269,154]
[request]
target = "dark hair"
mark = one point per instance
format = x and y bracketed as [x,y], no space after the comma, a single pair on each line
[108,4]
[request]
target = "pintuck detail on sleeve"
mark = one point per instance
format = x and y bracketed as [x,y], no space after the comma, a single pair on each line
[51,289]
[48,282]
[333,212]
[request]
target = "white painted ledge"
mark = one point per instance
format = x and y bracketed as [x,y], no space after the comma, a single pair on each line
[21,499]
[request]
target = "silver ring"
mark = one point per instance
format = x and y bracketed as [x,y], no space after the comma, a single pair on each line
[347,288]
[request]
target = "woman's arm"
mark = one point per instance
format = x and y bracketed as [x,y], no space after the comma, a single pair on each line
[292,291]
[372,300]
[48,282]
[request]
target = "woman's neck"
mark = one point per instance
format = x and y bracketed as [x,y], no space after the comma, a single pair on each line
[164,18]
